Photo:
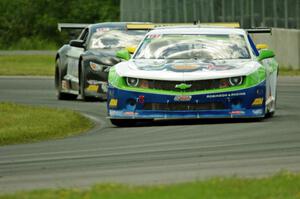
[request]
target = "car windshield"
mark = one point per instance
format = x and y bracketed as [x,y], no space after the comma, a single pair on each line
[105,38]
[181,46]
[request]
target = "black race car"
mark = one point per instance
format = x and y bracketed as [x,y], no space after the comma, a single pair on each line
[82,65]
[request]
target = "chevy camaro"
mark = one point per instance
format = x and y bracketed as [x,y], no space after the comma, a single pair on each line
[193,72]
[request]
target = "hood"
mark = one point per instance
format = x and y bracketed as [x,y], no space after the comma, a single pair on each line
[102,56]
[186,70]
[104,52]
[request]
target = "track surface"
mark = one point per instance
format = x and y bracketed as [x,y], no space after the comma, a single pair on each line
[159,152]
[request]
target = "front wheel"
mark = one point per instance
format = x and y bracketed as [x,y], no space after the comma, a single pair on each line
[269,114]
[58,85]
[82,82]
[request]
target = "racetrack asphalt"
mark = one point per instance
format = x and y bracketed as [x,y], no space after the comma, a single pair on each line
[159,152]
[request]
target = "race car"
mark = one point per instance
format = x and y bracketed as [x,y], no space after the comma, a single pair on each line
[82,65]
[193,72]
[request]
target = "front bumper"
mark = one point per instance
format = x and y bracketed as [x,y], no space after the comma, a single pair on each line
[244,103]
[96,84]
[97,89]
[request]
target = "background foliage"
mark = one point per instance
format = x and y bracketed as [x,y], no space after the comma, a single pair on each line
[32,24]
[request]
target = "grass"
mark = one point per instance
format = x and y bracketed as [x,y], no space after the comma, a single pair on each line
[281,186]
[289,72]
[23,123]
[43,65]
[29,43]
[30,65]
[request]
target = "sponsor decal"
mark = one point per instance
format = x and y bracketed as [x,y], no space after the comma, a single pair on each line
[95,82]
[154,36]
[102,29]
[225,95]
[64,85]
[104,87]
[257,112]
[183,86]
[237,112]
[93,88]
[258,101]
[130,113]
[113,103]
[182,98]
[185,67]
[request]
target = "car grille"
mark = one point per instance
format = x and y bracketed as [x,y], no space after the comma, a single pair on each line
[184,106]
[195,85]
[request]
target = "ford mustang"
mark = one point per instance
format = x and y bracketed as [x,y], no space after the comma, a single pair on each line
[193,72]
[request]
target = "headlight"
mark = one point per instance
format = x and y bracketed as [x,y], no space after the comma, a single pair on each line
[96,67]
[235,81]
[132,81]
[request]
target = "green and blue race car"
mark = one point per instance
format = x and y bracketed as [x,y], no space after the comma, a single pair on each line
[193,72]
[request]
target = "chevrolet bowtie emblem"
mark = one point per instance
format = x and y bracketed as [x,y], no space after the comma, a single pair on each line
[183,86]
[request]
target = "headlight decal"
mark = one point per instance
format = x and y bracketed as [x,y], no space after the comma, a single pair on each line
[96,67]
[236,81]
[133,82]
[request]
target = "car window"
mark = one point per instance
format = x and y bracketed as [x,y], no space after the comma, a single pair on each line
[105,38]
[188,46]
[84,34]
[253,47]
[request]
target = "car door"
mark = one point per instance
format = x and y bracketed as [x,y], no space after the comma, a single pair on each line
[73,56]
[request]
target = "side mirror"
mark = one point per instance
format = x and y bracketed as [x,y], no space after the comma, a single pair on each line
[131,49]
[262,46]
[123,54]
[77,43]
[265,54]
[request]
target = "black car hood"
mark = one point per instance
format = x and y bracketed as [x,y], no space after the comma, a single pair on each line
[102,56]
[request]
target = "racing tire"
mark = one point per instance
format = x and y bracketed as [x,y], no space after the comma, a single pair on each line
[123,122]
[271,114]
[58,85]
[82,81]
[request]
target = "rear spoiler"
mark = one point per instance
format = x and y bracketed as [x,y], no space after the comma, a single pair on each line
[71,26]
[259,30]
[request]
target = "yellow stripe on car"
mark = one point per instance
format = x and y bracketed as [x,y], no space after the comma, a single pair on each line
[140,26]
[225,25]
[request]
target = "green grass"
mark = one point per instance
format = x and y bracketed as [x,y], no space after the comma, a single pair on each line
[27,65]
[34,65]
[281,186]
[289,72]
[29,43]
[23,123]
